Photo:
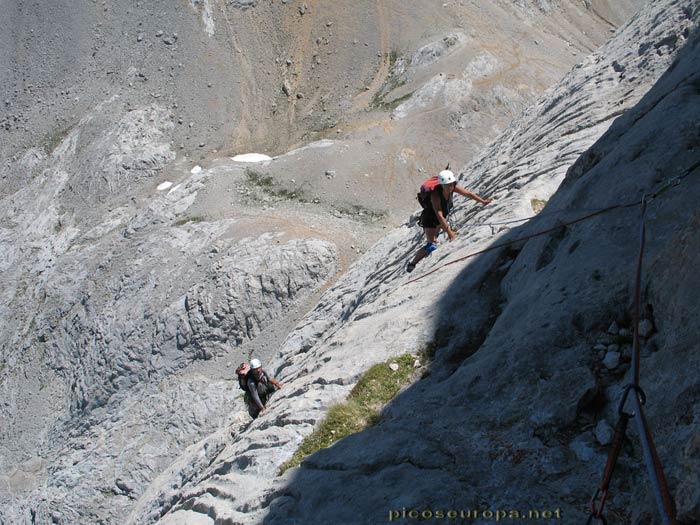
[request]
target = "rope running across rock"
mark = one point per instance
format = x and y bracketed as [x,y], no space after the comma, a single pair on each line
[663,497]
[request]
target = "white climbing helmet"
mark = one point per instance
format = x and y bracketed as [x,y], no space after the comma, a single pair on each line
[255,363]
[446,177]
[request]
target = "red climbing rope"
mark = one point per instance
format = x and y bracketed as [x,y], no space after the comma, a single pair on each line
[662,494]
[672,182]
[525,238]
[664,500]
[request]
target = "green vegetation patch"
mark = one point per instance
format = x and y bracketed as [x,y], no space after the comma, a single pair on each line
[393,104]
[290,195]
[359,213]
[259,179]
[267,182]
[55,138]
[394,80]
[196,218]
[373,391]
[393,57]
[537,205]
[379,101]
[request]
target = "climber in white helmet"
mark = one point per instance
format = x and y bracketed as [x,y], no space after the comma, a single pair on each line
[436,199]
[260,385]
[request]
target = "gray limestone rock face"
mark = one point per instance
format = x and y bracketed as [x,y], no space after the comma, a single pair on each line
[505,414]
[242,4]
[645,327]
[252,283]
[611,360]
[603,432]
[121,301]
[429,53]
[102,304]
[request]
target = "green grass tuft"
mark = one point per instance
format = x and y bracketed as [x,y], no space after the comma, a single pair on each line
[267,182]
[360,213]
[189,219]
[291,195]
[54,139]
[379,102]
[380,383]
[393,57]
[259,179]
[362,409]
[393,104]
[537,205]
[393,81]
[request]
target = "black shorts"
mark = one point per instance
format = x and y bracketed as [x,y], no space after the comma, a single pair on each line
[428,219]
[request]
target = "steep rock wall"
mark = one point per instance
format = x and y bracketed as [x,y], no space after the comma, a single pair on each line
[505,418]
[111,290]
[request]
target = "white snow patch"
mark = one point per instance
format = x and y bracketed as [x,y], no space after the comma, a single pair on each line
[251,157]
[164,185]
[196,170]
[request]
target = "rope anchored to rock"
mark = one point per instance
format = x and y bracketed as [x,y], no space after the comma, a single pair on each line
[525,238]
[647,198]
[662,494]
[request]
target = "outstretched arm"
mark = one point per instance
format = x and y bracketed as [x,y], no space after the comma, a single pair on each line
[469,194]
[276,383]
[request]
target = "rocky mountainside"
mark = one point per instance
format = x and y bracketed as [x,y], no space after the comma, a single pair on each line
[235,77]
[141,264]
[532,339]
